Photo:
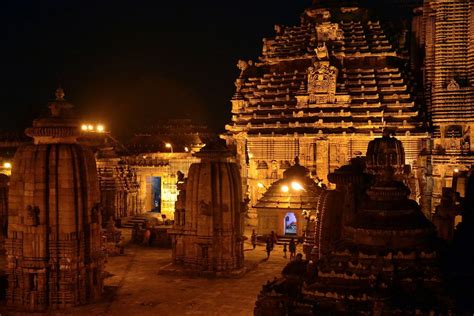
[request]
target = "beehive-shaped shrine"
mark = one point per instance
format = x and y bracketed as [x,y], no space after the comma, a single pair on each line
[208,229]
[54,242]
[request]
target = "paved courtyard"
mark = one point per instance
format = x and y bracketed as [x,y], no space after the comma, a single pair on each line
[134,286]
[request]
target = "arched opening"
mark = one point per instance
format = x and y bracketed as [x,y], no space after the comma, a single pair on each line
[290,227]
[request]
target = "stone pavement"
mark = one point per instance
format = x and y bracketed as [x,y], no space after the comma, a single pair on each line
[135,287]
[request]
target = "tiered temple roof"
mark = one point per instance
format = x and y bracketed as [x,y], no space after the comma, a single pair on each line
[372,90]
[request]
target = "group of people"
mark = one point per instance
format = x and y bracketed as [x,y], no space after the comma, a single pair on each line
[270,242]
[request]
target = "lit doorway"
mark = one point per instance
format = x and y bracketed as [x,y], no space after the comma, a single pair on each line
[156,194]
[290,224]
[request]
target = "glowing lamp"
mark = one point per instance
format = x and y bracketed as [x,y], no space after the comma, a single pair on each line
[284,188]
[84,127]
[456,170]
[7,165]
[186,149]
[296,186]
[90,127]
[260,185]
[168,145]
[100,128]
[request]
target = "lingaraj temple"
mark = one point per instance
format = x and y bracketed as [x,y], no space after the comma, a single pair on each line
[349,133]
[323,89]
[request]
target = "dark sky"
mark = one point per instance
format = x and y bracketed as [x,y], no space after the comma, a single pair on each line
[131,63]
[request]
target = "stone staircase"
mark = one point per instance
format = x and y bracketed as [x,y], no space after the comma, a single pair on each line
[131,221]
[286,239]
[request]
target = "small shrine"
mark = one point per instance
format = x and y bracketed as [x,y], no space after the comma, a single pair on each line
[207,236]
[54,225]
[283,207]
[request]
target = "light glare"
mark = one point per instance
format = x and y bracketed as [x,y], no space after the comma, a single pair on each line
[296,186]
[284,188]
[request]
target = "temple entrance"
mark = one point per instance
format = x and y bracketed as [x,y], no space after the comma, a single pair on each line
[290,224]
[156,194]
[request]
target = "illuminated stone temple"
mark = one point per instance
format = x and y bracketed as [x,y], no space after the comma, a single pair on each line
[156,155]
[208,229]
[281,208]
[54,257]
[321,91]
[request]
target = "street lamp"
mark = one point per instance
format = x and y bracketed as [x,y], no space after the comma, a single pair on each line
[168,145]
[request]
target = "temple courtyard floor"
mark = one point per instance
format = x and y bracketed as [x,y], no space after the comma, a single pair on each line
[134,286]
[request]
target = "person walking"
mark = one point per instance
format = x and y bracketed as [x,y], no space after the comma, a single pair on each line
[273,238]
[269,247]
[284,250]
[253,239]
[292,248]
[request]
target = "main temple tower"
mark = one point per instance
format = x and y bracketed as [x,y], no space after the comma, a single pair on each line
[54,242]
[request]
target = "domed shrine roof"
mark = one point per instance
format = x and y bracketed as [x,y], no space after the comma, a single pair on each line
[295,191]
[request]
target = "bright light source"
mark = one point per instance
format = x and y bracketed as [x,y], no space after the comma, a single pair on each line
[284,188]
[7,165]
[84,127]
[186,149]
[296,186]
[168,145]
[90,127]
[456,170]
[260,185]
[100,128]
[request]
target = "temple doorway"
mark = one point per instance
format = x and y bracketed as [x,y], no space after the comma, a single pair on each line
[290,224]
[156,194]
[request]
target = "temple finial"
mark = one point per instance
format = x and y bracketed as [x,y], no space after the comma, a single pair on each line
[59,94]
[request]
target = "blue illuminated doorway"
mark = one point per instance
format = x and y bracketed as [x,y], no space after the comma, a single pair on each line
[290,227]
[156,194]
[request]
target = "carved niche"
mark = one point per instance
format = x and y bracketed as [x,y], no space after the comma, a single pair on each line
[327,31]
[322,83]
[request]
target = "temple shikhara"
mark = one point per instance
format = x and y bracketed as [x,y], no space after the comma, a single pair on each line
[323,89]
[54,240]
[342,183]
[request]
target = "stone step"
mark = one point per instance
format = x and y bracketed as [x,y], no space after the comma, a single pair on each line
[130,222]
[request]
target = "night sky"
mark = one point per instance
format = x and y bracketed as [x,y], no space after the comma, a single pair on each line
[130,64]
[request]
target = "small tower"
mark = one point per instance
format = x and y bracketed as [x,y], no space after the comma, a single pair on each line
[207,235]
[54,243]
